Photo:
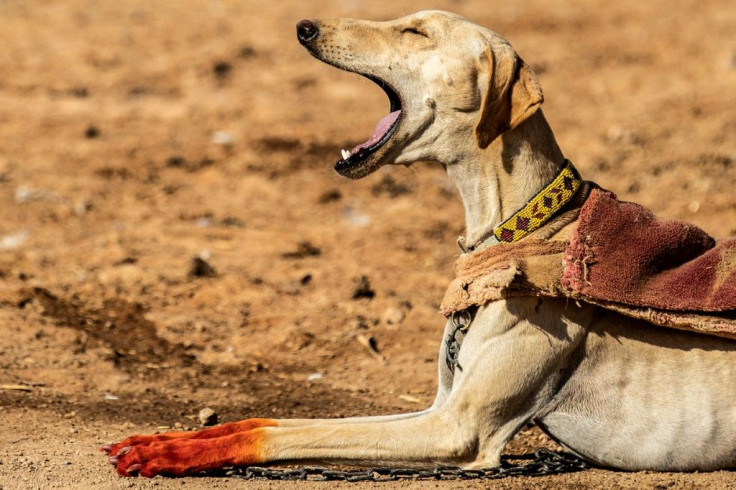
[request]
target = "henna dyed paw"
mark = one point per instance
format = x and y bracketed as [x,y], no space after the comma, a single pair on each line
[219,431]
[189,456]
[137,440]
[185,453]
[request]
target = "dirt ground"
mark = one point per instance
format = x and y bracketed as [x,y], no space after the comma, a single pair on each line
[137,137]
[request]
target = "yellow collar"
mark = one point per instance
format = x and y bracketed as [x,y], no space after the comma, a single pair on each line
[538,210]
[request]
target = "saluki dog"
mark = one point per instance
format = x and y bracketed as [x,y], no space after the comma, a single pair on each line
[614,390]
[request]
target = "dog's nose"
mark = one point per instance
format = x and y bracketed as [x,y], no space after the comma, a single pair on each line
[306,31]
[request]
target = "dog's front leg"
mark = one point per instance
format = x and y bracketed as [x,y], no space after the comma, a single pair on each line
[509,359]
[128,455]
[420,440]
[443,390]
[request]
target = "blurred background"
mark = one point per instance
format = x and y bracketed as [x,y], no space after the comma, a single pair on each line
[173,237]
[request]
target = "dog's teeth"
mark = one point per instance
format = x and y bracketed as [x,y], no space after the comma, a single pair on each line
[345,154]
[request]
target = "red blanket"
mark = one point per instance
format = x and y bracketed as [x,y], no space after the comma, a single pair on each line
[622,253]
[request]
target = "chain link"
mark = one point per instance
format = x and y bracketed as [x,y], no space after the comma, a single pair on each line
[461,321]
[545,463]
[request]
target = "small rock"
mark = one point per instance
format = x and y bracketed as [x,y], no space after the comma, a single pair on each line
[222,69]
[314,377]
[331,195]
[204,222]
[201,268]
[360,323]
[369,342]
[363,289]
[176,161]
[247,52]
[233,222]
[24,194]
[92,132]
[207,417]
[393,316]
[223,138]
[356,218]
[303,249]
[14,240]
[410,399]
[81,207]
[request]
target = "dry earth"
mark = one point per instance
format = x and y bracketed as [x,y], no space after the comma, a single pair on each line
[138,135]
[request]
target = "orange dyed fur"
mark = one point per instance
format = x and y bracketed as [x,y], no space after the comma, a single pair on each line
[184,453]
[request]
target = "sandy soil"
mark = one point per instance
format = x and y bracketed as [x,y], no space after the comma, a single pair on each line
[137,136]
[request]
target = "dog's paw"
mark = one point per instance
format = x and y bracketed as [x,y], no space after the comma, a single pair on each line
[219,431]
[150,460]
[139,440]
[189,456]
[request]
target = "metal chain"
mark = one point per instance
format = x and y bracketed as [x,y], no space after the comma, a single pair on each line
[461,321]
[546,463]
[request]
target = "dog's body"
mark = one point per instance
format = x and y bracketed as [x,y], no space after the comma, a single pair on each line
[617,391]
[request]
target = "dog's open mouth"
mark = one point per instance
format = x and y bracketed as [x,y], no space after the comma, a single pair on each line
[381,134]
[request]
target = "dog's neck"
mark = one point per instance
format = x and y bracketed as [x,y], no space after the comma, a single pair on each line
[497,181]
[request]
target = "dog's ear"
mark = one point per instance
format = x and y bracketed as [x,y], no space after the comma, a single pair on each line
[513,94]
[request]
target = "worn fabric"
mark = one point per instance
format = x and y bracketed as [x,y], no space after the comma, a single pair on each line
[621,252]
[620,257]
[526,268]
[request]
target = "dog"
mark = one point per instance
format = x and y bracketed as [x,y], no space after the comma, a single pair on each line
[617,391]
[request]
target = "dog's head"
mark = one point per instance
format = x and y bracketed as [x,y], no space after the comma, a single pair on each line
[449,82]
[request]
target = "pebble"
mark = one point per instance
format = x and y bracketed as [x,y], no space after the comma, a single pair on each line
[201,268]
[207,416]
[356,218]
[363,288]
[14,240]
[393,316]
[24,194]
[223,138]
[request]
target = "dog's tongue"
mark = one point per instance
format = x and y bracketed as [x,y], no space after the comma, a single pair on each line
[381,128]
